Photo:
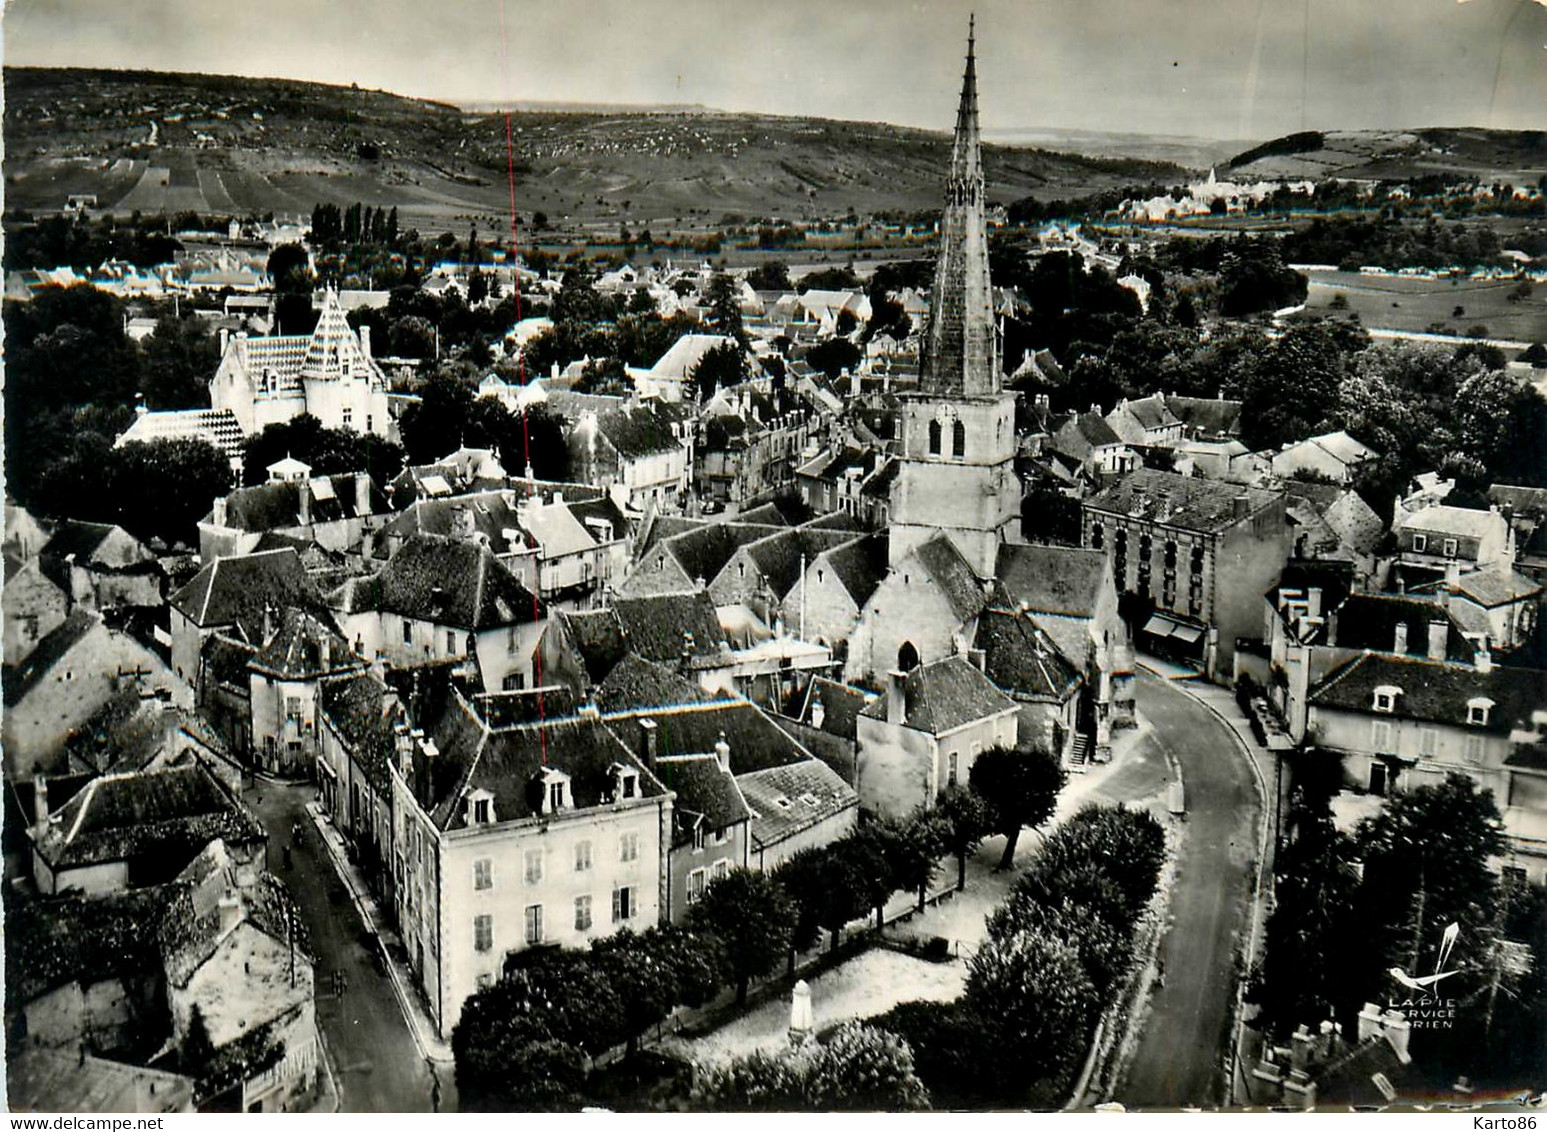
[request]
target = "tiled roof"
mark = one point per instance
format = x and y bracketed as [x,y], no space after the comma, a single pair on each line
[780,557]
[859,565]
[788,799]
[1151,411]
[655,627]
[48,652]
[529,705]
[239,589]
[755,741]
[704,791]
[1093,429]
[40,1079]
[491,513]
[217,427]
[703,552]
[597,637]
[1022,660]
[1524,500]
[171,812]
[638,430]
[940,697]
[1207,415]
[1442,519]
[1369,621]
[225,660]
[1188,502]
[1490,588]
[191,929]
[1066,580]
[304,646]
[678,363]
[363,710]
[1435,691]
[450,581]
[78,538]
[49,943]
[951,574]
[635,683]
[269,506]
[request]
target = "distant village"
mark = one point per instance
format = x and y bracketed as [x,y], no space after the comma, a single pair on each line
[783,591]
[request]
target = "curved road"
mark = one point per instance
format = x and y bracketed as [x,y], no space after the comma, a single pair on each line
[1179,1058]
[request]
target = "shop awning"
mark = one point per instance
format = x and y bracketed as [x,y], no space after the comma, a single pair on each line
[1159,625]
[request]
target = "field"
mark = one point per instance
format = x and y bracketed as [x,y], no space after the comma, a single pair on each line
[1516,156]
[1395,302]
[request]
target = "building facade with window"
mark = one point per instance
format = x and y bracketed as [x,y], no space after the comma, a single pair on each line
[1203,552]
[1401,722]
[510,839]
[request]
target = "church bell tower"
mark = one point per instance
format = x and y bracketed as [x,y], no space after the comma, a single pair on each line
[958,431]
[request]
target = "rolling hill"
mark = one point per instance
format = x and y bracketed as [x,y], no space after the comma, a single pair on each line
[1515,156]
[153,142]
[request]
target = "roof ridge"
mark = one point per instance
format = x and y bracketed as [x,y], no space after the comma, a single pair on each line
[1337,675]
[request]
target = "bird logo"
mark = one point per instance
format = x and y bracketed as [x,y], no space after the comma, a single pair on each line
[1423,983]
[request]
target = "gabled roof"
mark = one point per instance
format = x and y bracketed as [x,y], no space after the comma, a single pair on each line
[787,799]
[271,506]
[1207,415]
[50,943]
[1443,519]
[448,581]
[704,793]
[1150,412]
[1066,580]
[678,363]
[304,646]
[81,539]
[217,427]
[241,589]
[191,929]
[525,706]
[1523,500]
[703,552]
[656,627]
[756,742]
[597,638]
[1022,660]
[363,709]
[1091,428]
[1369,621]
[1187,502]
[1435,691]
[780,557]
[952,576]
[859,565]
[635,683]
[49,651]
[167,812]
[1490,588]
[637,431]
[939,698]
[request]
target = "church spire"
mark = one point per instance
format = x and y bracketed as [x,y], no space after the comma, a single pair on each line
[960,355]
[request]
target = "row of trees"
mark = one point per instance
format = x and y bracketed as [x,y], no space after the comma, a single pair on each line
[1055,951]
[449,414]
[525,1040]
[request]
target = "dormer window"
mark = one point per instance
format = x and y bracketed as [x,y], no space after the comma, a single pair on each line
[1420,543]
[480,808]
[625,782]
[1386,697]
[556,791]
[1477,710]
[1450,548]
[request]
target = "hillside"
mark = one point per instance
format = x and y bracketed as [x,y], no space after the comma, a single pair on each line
[153,142]
[1515,156]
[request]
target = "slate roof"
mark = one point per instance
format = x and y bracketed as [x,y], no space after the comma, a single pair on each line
[1052,579]
[787,799]
[492,514]
[655,627]
[225,659]
[363,710]
[638,431]
[1369,621]
[269,506]
[77,537]
[1150,412]
[704,791]
[859,565]
[237,591]
[49,651]
[303,647]
[1435,691]
[166,812]
[1022,660]
[1195,503]
[529,705]
[781,556]
[1490,588]
[940,697]
[635,683]
[50,943]
[448,581]
[1207,415]
[954,578]
[597,637]
[756,742]
[702,553]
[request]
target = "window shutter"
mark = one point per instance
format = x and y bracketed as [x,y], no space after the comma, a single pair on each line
[617,905]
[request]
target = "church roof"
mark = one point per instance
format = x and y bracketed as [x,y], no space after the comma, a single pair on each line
[939,698]
[953,576]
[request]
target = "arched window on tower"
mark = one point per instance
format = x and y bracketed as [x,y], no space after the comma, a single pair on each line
[907,657]
[934,438]
[958,440]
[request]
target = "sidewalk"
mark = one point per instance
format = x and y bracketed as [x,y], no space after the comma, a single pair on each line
[432,1047]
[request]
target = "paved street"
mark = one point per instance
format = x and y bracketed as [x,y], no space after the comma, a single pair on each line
[1180,1054]
[377,1064]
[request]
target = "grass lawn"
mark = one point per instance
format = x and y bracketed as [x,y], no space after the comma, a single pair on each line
[1398,302]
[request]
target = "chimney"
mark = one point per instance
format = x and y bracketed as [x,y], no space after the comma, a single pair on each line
[895,706]
[462,521]
[304,497]
[1399,644]
[1369,1022]
[1452,573]
[40,801]
[220,511]
[139,405]
[403,749]
[1484,658]
[225,339]
[818,712]
[230,911]
[589,710]
[1324,1041]
[362,494]
[722,753]
[1398,1031]
[365,341]
[1300,1043]
[687,650]
[1313,601]
[269,613]
[325,652]
[1240,506]
[648,730]
[1439,635]
[979,659]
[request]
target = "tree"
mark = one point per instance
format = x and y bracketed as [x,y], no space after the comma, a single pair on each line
[1293,390]
[752,917]
[828,886]
[857,1069]
[770,275]
[627,960]
[477,288]
[1128,846]
[834,356]
[1034,993]
[328,452]
[290,269]
[437,423]
[720,367]
[1020,788]
[178,359]
[164,487]
[1500,421]
[967,822]
[913,849]
[725,306]
[1103,947]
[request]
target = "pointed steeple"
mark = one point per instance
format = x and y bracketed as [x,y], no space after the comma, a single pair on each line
[960,355]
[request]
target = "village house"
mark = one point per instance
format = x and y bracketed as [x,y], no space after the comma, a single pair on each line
[67,677]
[1022,660]
[1502,604]
[1441,541]
[1332,523]
[1402,722]
[33,608]
[328,374]
[849,479]
[683,555]
[710,823]
[1232,541]
[924,733]
[673,371]
[1091,444]
[139,829]
[825,602]
[750,439]
[517,838]
[359,722]
[441,598]
[336,512]
[101,566]
[641,453]
[1146,422]
[1334,456]
[284,677]
[1206,418]
[240,596]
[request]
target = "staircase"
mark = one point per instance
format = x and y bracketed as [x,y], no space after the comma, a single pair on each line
[1079,754]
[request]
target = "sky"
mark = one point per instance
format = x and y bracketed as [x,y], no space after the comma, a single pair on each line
[1233,69]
